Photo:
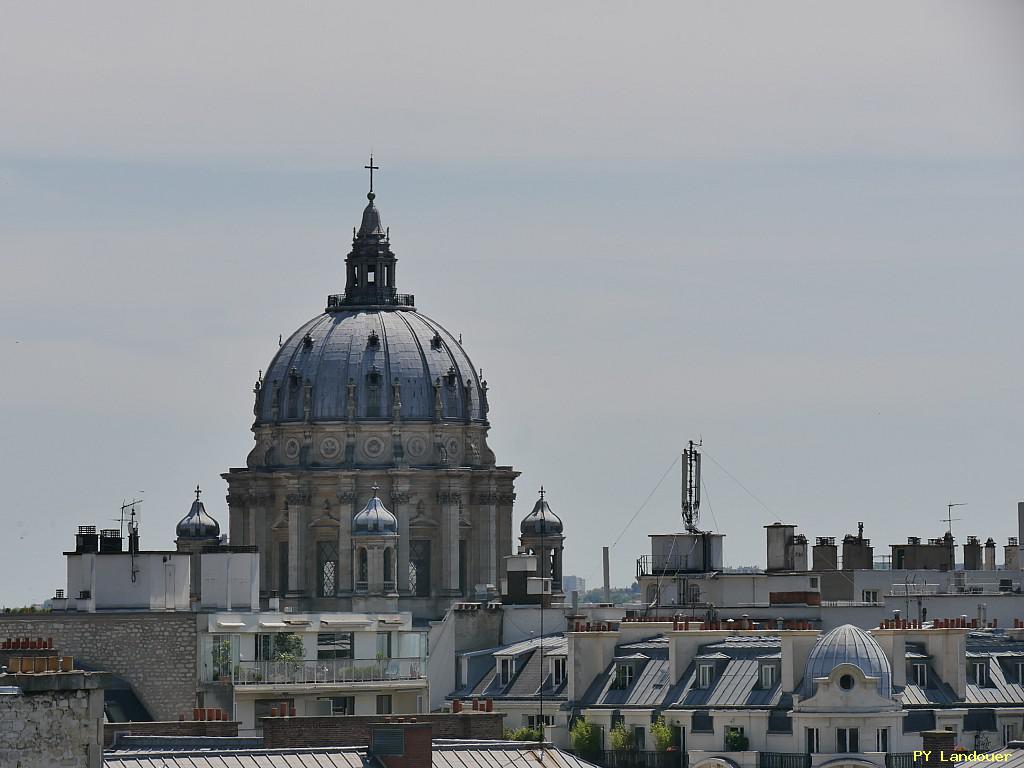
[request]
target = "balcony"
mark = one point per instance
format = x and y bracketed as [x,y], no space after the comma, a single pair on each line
[783,760]
[899,760]
[324,672]
[383,297]
[641,759]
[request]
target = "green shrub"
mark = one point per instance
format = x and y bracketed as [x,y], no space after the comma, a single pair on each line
[621,738]
[585,738]
[736,742]
[524,734]
[662,734]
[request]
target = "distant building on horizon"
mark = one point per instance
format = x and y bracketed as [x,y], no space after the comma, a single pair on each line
[571,583]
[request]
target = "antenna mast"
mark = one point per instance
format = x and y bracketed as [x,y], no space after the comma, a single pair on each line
[949,519]
[691,487]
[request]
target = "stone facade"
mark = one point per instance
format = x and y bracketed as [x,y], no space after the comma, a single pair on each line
[354,730]
[154,652]
[56,722]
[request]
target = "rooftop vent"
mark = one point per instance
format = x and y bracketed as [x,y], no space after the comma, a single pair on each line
[307,341]
[373,340]
[435,341]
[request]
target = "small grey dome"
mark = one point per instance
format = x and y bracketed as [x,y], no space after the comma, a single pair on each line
[374,519]
[541,521]
[197,524]
[847,645]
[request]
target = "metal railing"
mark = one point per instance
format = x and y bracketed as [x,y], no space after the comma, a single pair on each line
[385,297]
[311,671]
[640,759]
[783,760]
[899,760]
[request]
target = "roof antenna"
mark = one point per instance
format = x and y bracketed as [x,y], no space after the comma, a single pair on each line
[279,339]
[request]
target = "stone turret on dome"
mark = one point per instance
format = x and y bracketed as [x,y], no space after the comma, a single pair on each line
[374,519]
[540,534]
[198,523]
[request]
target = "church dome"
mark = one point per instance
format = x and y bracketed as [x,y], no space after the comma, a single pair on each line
[847,645]
[541,521]
[197,524]
[374,519]
[371,355]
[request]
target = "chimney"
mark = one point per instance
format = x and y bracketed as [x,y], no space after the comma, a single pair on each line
[402,745]
[1020,527]
[940,744]
[607,570]
[989,561]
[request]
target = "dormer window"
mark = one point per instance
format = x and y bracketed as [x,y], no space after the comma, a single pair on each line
[506,669]
[705,675]
[979,672]
[373,340]
[768,676]
[623,676]
[451,377]
[921,674]
[307,341]
[373,393]
[558,671]
[1020,671]
[435,342]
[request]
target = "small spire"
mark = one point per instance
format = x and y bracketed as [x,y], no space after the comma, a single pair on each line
[374,487]
[197,491]
[371,168]
[542,493]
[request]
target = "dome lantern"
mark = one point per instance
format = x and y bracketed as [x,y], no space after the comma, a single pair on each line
[374,519]
[198,524]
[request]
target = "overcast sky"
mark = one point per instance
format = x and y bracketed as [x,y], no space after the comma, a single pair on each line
[791,228]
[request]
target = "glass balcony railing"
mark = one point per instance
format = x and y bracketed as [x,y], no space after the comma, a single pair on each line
[312,671]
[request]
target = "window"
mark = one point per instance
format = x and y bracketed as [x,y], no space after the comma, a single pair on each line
[384,704]
[506,669]
[334,645]
[383,645]
[921,674]
[847,740]
[768,676]
[1009,732]
[373,393]
[419,567]
[342,705]
[705,674]
[362,574]
[533,721]
[282,568]
[882,740]
[389,570]
[811,740]
[639,738]
[980,672]
[463,566]
[869,596]
[261,707]
[326,568]
[623,676]
[813,582]
[1020,672]
[558,671]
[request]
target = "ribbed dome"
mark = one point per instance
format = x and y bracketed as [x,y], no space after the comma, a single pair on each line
[197,524]
[541,521]
[374,519]
[372,350]
[847,645]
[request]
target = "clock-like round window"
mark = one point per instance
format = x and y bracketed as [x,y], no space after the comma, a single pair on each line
[846,682]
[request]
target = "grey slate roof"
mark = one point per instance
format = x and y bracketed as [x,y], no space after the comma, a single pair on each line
[339,351]
[450,754]
[1002,689]
[531,671]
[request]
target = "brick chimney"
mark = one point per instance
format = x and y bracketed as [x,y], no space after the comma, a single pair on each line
[402,745]
[940,744]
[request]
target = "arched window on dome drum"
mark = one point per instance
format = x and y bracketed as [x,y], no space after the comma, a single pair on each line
[389,572]
[327,568]
[362,570]
[419,567]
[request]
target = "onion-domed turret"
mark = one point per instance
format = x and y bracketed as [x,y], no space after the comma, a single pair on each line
[198,524]
[374,519]
[541,521]
[847,645]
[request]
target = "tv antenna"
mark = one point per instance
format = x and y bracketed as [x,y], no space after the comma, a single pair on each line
[128,511]
[949,519]
[691,487]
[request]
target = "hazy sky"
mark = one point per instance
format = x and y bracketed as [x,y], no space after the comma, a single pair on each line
[792,228]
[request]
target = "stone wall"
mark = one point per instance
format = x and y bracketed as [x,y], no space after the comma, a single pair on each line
[155,652]
[354,730]
[58,726]
[199,728]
